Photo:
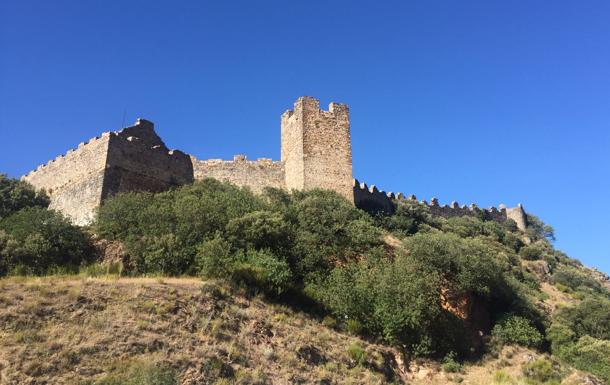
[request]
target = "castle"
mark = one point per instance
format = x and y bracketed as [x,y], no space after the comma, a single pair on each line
[315,153]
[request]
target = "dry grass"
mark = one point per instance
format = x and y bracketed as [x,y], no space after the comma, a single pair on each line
[62,330]
[66,330]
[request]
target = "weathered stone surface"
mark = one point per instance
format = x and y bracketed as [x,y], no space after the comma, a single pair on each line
[254,174]
[316,147]
[133,159]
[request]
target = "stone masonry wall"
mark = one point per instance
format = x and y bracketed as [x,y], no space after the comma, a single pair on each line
[74,181]
[316,147]
[292,149]
[255,175]
[138,160]
[375,201]
[316,153]
[133,159]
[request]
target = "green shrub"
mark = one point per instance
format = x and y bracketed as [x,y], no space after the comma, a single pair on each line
[161,232]
[214,258]
[16,195]
[270,273]
[538,230]
[450,363]
[356,354]
[574,278]
[328,230]
[542,370]
[590,317]
[531,252]
[37,240]
[260,230]
[399,298]
[501,377]
[353,326]
[409,216]
[518,330]
[589,354]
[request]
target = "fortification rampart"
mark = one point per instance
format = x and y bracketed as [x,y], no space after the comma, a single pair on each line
[373,200]
[138,160]
[133,159]
[74,181]
[316,153]
[256,175]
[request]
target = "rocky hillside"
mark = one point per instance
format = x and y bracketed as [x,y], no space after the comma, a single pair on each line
[186,331]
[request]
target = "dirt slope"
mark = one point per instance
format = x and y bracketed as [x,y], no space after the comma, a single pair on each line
[78,331]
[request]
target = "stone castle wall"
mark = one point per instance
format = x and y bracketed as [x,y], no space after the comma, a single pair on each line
[316,153]
[242,172]
[133,159]
[138,160]
[373,200]
[316,147]
[74,181]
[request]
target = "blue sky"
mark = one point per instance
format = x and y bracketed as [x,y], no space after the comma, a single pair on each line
[475,101]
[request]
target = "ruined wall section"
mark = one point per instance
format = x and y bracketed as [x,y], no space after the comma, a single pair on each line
[74,181]
[374,201]
[371,200]
[518,215]
[316,147]
[138,160]
[255,175]
[133,159]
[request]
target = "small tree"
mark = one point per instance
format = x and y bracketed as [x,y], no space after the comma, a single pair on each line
[16,195]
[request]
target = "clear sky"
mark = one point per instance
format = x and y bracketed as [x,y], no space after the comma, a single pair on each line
[475,101]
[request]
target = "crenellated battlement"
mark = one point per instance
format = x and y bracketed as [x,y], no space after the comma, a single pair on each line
[374,200]
[315,153]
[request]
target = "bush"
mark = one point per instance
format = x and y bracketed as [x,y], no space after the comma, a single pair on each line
[260,230]
[589,354]
[450,363]
[161,232]
[353,326]
[518,330]
[538,230]
[409,216]
[270,272]
[214,258]
[357,354]
[328,230]
[574,279]
[590,317]
[542,370]
[399,298]
[531,252]
[35,241]
[580,336]
[16,195]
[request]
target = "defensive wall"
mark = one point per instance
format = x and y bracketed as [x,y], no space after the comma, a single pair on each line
[132,159]
[374,200]
[315,153]
[255,175]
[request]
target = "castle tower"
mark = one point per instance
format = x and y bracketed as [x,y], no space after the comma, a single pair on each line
[316,147]
[518,215]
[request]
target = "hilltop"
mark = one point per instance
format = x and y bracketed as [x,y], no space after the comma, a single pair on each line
[290,287]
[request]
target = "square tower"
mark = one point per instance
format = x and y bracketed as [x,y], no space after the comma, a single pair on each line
[316,147]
